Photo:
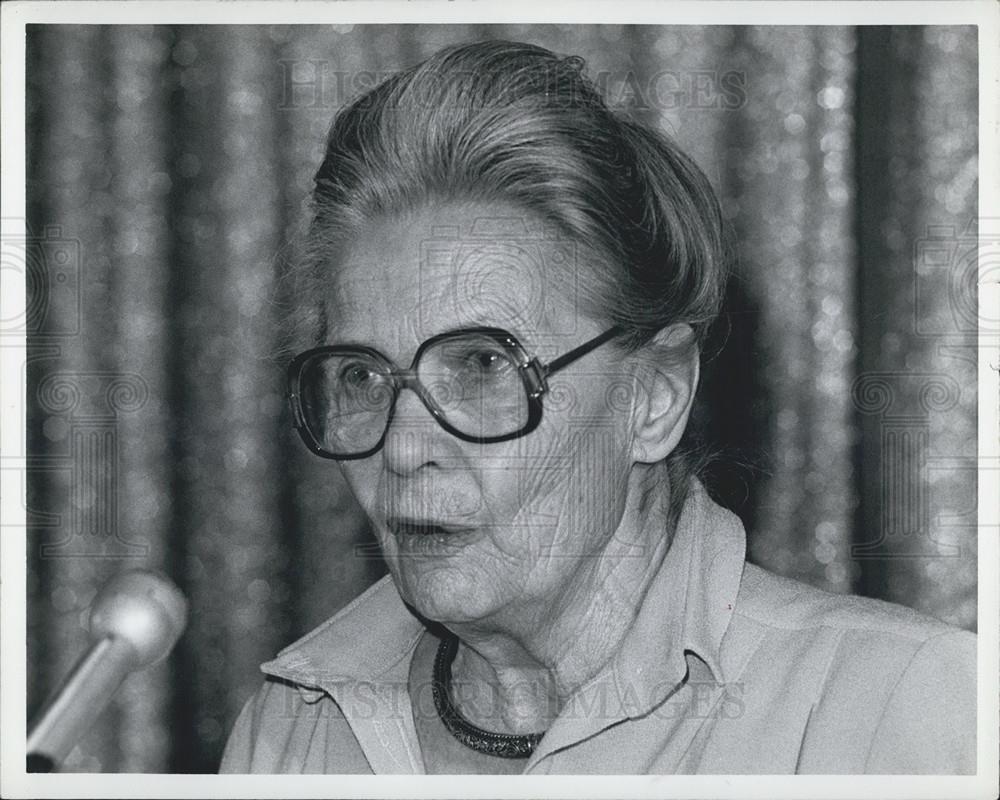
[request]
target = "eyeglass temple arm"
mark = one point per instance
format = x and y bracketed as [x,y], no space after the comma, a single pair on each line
[565,359]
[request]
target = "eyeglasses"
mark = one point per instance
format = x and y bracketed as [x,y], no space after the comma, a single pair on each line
[478,383]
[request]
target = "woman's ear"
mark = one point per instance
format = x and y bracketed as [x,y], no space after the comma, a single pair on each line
[667,377]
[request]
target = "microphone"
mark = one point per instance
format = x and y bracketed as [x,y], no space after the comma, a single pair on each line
[135,620]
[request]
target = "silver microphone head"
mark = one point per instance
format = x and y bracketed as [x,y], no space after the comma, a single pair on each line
[142,607]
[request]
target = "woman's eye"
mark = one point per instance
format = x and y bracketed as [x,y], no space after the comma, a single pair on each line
[356,375]
[488,361]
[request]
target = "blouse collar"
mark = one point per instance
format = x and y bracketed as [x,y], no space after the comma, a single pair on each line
[687,610]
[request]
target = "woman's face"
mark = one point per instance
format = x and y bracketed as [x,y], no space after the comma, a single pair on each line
[516,525]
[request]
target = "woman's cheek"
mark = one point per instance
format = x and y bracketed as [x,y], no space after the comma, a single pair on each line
[363,482]
[531,506]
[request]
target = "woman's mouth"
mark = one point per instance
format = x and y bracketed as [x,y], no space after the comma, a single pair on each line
[426,538]
[405,527]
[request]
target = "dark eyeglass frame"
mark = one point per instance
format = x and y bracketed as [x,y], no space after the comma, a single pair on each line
[533,374]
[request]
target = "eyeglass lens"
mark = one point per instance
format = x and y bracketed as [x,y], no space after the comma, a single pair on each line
[472,382]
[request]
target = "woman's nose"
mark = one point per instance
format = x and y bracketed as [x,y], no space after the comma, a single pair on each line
[411,434]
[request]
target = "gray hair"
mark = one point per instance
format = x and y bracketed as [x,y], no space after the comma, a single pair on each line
[504,121]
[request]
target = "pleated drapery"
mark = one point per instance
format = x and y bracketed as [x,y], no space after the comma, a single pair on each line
[167,169]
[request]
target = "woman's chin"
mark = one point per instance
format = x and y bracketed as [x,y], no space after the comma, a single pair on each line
[445,592]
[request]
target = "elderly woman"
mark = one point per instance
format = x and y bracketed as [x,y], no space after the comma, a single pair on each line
[505,297]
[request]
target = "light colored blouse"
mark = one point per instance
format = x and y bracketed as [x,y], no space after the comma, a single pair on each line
[726,669]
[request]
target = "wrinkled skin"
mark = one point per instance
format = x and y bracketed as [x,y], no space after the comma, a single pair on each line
[552,537]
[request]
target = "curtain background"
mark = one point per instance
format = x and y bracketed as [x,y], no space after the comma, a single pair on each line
[167,167]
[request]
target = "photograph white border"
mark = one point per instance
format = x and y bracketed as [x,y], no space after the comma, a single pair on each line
[15,783]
